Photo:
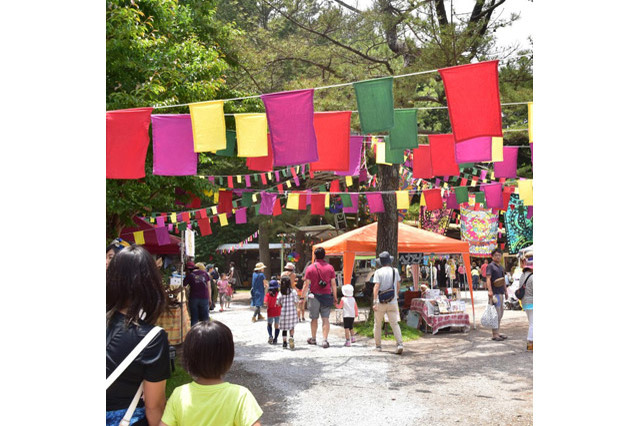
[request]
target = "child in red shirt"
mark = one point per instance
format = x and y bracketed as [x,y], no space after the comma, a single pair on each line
[273,310]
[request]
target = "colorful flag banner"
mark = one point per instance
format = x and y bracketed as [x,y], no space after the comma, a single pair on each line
[290,119]
[127,142]
[375,104]
[473,100]
[209,130]
[379,148]
[335,186]
[404,134]
[480,229]
[354,205]
[443,155]
[452,202]
[333,130]
[277,208]
[251,131]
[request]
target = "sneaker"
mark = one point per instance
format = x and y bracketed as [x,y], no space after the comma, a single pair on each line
[325,344]
[311,341]
[353,339]
[271,340]
[284,344]
[379,348]
[399,350]
[275,341]
[347,343]
[291,344]
[253,319]
[260,317]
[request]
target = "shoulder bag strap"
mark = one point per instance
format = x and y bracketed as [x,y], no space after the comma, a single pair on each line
[318,271]
[134,353]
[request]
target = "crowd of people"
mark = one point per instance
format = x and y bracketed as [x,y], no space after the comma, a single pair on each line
[138,360]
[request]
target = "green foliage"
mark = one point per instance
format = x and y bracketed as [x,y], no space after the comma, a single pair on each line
[366,329]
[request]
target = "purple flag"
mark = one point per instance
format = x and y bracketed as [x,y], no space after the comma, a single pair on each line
[354,207]
[162,236]
[483,174]
[266,205]
[508,167]
[452,202]
[173,153]
[241,215]
[277,176]
[363,174]
[473,150]
[375,202]
[355,150]
[531,146]
[529,212]
[290,120]
[160,221]
[247,180]
[493,195]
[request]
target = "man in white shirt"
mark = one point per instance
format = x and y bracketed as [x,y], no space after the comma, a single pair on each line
[386,278]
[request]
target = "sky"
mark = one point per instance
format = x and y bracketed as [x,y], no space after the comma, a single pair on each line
[516,33]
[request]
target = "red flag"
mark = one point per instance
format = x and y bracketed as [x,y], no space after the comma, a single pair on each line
[422,162]
[277,208]
[262,164]
[433,199]
[302,200]
[473,100]
[230,181]
[443,155]
[205,226]
[127,142]
[335,186]
[317,204]
[224,202]
[332,133]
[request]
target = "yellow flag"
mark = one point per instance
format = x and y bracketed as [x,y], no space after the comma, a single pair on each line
[525,189]
[496,149]
[251,135]
[380,157]
[292,201]
[214,209]
[327,200]
[348,180]
[288,184]
[174,218]
[139,237]
[473,182]
[223,219]
[530,120]
[209,130]
[423,202]
[402,198]
[254,197]
[270,174]
[208,192]
[152,219]
[216,197]
[239,178]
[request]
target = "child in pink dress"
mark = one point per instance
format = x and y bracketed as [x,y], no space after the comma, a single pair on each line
[223,288]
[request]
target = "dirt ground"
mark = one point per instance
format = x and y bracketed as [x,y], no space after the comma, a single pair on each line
[447,378]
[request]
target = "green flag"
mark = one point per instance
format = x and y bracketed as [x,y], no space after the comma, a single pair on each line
[462,194]
[480,197]
[346,200]
[375,104]
[246,199]
[405,129]
[230,150]
[393,156]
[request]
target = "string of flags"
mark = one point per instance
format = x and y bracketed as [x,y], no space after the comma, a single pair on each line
[239,245]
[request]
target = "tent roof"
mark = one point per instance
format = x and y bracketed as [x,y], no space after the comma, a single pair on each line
[410,240]
[151,244]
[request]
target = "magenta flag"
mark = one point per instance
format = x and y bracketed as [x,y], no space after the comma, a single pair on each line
[474,150]
[160,221]
[162,236]
[355,156]
[375,202]
[241,215]
[452,202]
[266,205]
[173,153]
[531,146]
[508,167]
[290,120]
[492,195]
[354,205]
[529,212]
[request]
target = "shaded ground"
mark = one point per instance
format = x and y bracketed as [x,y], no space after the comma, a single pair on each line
[449,378]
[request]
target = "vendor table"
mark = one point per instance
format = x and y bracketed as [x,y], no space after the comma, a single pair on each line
[442,320]
[176,321]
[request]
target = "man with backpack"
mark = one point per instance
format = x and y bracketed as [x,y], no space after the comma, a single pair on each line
[386,282]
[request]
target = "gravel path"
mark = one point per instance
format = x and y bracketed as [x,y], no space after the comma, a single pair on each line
[449,378]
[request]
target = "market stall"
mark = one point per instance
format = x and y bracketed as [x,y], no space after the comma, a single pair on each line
[438,313]
[363,242]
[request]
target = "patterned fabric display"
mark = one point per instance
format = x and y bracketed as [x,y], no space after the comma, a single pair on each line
[435,220]
[519,229]
[480,229]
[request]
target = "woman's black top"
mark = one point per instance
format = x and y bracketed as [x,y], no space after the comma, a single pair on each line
[152,364]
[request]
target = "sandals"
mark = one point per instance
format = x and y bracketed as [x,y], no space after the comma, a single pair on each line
[325,344]
[498,339]
[311,341]
[503,336]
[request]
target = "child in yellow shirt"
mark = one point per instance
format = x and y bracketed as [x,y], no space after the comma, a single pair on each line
[208,353]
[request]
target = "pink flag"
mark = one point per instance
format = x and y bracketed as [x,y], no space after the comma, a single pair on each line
[493,195]
[162,236]
[290,119]
[452,202]
[355,156]
[241,215]
[508,167]
[266,205]
[173,153]
[474,150]
[160,221]
[375,202]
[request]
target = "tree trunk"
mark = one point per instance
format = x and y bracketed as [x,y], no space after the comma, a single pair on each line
[263,243]
[388,177]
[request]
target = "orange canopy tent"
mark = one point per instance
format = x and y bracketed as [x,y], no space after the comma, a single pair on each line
[363,242]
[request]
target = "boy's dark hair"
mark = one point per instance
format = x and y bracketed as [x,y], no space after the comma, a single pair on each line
[208,350]
[134,283]
[285,286]
[496,250]
[319,253]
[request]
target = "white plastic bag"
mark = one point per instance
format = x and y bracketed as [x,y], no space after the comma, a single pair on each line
[490,317]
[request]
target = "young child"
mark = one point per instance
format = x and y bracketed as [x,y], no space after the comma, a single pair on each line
[223,288]
[300,307]
[208,352]
[273,310]
[349,313]
[288,300]
[229,296]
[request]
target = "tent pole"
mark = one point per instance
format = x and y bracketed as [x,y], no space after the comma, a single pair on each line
[467,266]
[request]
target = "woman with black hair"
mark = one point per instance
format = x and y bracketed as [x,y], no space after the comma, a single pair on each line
[135,300]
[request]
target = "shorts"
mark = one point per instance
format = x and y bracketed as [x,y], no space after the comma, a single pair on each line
[316,309]
[348,322]
[271,320]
